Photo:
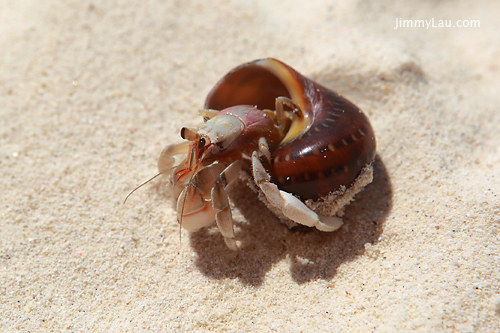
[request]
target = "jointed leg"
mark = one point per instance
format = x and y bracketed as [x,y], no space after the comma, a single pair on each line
[280,110]
[281,115]
[290,206]
[208,114]
[166,159]
[264,148]
[220,202]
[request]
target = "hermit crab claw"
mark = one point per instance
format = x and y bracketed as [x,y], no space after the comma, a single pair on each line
[193,211]
[194,205]
[304,148]
[167,160]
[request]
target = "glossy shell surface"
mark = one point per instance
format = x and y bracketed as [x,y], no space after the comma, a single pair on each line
[329,141]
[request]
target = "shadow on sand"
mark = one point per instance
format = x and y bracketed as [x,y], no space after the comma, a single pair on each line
[312,254]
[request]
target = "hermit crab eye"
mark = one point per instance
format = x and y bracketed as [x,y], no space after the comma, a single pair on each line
[201,143]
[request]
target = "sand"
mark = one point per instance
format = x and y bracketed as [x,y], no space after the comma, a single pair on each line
[90,93]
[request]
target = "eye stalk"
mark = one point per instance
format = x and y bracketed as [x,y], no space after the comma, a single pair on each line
[192,135]
[189,134]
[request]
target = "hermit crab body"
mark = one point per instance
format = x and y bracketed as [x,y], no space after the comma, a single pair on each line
[305,149]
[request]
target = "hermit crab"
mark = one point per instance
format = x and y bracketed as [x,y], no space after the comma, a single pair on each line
[304,148]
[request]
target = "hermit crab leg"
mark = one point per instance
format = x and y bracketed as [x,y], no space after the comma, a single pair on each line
[208,114]
[220,203]
[166,159]
[264,148]
[282,117]
[280,110]
[289,205]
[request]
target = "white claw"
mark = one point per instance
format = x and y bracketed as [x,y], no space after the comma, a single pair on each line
[231,244]
[329,223]
[273,194]
[288,204]
[297,211]
[166,159]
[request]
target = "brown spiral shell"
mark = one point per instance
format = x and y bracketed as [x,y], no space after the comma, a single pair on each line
[325,148]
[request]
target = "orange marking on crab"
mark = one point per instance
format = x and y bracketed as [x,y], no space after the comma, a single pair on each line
[273,122]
